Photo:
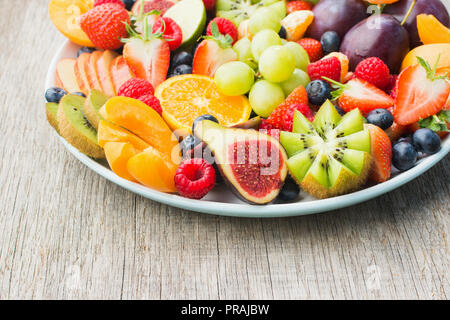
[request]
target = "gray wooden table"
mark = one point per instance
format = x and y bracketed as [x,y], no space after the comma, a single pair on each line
[66,233]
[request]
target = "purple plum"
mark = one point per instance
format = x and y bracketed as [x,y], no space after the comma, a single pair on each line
[379,36]
[336,15]
[434,7]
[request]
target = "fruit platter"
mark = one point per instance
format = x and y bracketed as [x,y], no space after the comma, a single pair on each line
[253,108]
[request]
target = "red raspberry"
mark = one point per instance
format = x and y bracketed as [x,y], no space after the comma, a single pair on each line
[225,27]
[375,71]
[298,6]
[289,115]
[152,102]
[100,2]
[210,4]
[298,96]
[330,68]
[171,32]
[105,26]
[313,47]
[136,88]
[195,178]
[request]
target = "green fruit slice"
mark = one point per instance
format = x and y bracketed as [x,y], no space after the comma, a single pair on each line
[330,156]
[241,10]
[52,112]
[92,105]
[190,15]
[76,129]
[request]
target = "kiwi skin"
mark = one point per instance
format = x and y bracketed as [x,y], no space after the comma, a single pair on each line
[51,109]
[346,182]
[76,138]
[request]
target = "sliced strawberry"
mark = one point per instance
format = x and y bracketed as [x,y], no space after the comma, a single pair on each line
[420,93]
[209,56]
[362,95]
[381,150]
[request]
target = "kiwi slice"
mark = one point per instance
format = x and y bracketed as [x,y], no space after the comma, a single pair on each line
[331,155]
[92,105]
[52,112]
[240,10]
[75,128]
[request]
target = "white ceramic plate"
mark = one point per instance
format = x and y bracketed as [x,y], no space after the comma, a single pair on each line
[222,202]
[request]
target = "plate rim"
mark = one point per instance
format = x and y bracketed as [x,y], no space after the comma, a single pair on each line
[248,210]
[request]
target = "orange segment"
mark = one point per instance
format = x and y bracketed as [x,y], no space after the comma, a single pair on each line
[154,170]
[144,122]
[185,98]
[65,16]
[118,154]
[108,132]
[431,30]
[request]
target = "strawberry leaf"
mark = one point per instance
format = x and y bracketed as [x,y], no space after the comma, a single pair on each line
[438,122]
[336,85]
[225,41]
[431,73]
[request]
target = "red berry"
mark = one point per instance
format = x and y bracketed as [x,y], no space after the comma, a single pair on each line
[391,88]
[171,31]
[225,27]
[374,71]
[152,102]
[313,47]
[136,88]
[105,26]
[100,2]
[330,68]
[298,96]
[288,117]
[381,151]
[210,4]
[195,178]
[265,125]
[298,6]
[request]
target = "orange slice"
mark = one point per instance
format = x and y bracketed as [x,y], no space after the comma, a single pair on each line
[65,16]
[431,30]
[185,98]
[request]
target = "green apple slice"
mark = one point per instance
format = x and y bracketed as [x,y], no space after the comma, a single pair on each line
[190,15]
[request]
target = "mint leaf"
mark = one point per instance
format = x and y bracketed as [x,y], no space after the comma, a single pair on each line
[438,122]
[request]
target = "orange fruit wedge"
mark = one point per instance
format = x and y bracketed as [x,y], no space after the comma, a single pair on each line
[431,30]
[118,154]
[154,170]
[382,1]
[108,132]
[185,98]
[143,121]
[65,16]
[296,24]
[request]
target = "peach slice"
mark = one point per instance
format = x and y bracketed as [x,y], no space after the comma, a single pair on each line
[81,66]
[65,75]
[108,132]
[143,121]
[117,155]
[431,30]
[104,72]
[154,170]
[92,74]
[120,72]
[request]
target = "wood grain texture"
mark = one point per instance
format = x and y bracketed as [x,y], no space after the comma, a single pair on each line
[66,233]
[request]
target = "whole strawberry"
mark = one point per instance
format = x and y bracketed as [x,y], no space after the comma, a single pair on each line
[288,118]
[374,71]
[330,68]
[225,27]
[105,25]
[100,2]
[312,47]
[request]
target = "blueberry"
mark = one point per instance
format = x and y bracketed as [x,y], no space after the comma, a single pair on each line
[180,58]
[381,117]
[54,94]
[407,139]
[188,144]
[426,141]
[129,4]
[182,69]
[171,75]
[204,117]
[340,111]
[404,156]
[81,94]
[290,191]
[282,33]
[330,42]
[85,50]
[318,92]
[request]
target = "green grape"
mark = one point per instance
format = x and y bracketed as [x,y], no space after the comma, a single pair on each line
[263,40]
[277,64]
[298,78]
[300,55]
[244,50]
[234,78]
[265,97]
[264,18]
[279,8]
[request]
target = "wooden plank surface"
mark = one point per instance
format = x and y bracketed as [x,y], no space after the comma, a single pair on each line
[67,233]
